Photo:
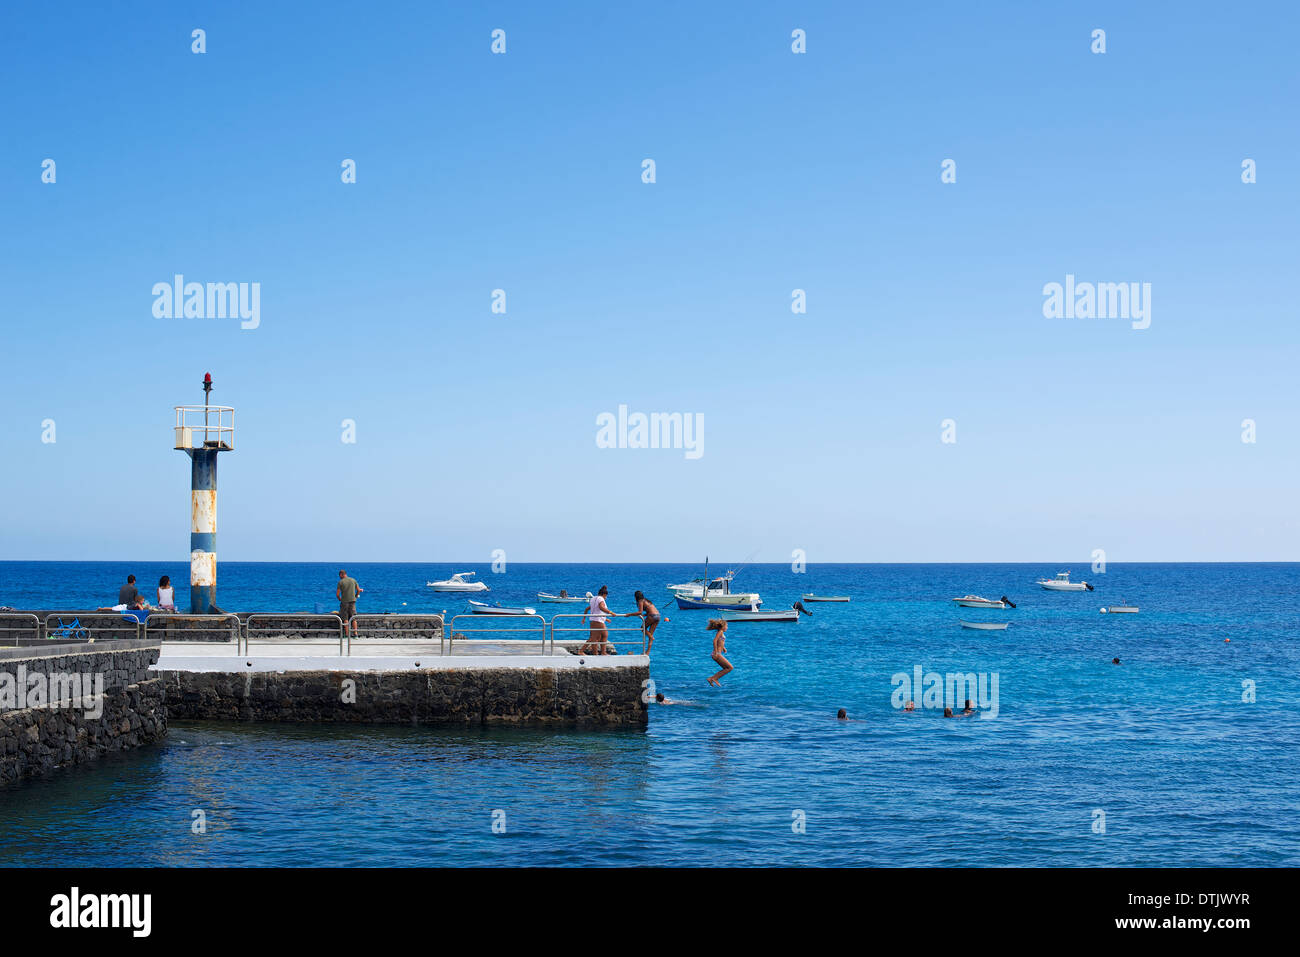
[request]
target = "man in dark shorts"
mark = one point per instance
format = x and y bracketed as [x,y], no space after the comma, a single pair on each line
[128,593]
[347,592]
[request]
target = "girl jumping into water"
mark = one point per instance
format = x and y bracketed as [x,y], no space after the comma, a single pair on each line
[719,625]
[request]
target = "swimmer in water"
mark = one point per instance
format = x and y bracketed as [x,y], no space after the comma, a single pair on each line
[910,706]
[719,625]
[843,715]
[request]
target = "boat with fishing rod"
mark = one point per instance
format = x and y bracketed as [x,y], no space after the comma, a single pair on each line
[718,596]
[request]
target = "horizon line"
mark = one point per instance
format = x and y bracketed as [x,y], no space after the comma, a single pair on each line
[280,561]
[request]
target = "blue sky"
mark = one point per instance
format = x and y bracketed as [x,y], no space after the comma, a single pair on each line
[775,171]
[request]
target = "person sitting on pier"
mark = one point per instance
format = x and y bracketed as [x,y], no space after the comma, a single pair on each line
[166,594]
[128,592]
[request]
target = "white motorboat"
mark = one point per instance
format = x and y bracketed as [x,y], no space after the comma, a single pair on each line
[1062,583]
[483,608]
[985,625]
[718,586]
[457,582]
[1124,608]
[717,596]
[975,601]
[787,615]
[561,599]
[811,597]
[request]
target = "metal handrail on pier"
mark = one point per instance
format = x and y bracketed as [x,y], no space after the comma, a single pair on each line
[585,629]
[161,621]
[33,624]
[450,636]
[335,623]
[399,626]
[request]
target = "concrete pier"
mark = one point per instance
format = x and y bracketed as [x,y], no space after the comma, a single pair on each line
[397,669]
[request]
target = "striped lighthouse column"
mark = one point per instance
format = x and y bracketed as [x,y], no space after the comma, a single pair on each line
[203,530]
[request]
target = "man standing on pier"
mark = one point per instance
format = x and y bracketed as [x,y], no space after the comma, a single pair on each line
[347,593]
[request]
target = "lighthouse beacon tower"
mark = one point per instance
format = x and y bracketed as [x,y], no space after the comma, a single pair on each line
[203,431]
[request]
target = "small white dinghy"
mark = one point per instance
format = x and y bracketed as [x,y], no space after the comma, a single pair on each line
[985,625]
[561,599]
[1123,608]
[787,615]
[483,608]
[811,597]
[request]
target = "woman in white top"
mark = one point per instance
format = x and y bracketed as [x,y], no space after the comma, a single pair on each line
[166,594]
[597,611]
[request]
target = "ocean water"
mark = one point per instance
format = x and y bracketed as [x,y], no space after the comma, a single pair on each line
[759,771]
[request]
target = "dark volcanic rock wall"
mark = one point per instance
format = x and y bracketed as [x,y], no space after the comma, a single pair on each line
[60,731]
[578,696]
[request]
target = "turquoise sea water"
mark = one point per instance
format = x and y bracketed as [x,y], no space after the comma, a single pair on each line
[1185,771]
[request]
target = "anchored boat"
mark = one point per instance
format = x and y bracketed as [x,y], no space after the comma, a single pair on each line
[1124,608]
[724,602]
[457,582]
[811,597]
[718,596]
[483,608]
[975,601]
[1062,583]
[718,586]
[560,599]
[788,615]
[985,625]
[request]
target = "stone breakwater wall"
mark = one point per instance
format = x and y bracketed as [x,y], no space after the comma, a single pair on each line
[490,695]
[66,704]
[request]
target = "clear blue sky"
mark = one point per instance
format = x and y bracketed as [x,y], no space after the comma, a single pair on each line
[775,171]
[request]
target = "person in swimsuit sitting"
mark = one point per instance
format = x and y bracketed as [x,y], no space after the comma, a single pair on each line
[644,606]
